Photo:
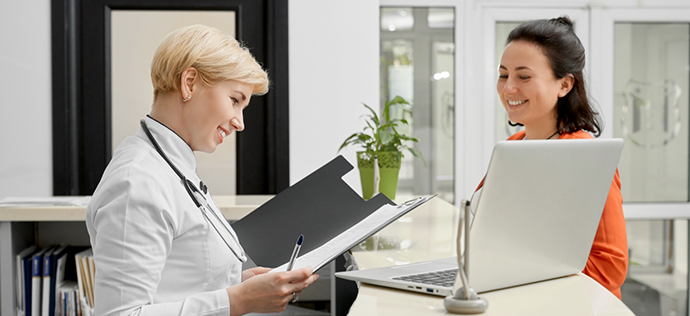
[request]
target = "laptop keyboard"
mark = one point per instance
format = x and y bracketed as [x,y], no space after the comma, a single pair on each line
[441,278]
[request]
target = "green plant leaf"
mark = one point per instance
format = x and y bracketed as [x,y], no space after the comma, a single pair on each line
[412,139]
[398,100]
[385,127]
[347,141]
[356,141]
[386,137]
[417,154]
[386,113]
[364,137]
[375,118]
[370,126]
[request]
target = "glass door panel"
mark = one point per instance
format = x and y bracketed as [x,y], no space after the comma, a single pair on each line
[645,70]
[651,110]
[418,63]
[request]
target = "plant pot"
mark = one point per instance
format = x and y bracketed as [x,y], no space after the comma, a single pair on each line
[389,169]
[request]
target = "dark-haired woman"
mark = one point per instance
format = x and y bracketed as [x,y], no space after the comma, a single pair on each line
[542,87]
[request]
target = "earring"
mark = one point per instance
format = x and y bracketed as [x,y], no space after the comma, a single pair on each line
[189,97]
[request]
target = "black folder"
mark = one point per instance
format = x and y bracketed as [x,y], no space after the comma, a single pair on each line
[320,206]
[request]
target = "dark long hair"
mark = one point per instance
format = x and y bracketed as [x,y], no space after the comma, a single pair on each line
[563,48]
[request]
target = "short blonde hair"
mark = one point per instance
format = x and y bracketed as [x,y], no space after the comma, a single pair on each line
[216,56]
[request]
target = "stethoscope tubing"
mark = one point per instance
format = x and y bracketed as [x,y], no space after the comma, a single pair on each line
[190,188]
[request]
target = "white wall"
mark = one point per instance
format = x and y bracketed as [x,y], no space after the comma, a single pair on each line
[25,99]
[334,65]
[332,69]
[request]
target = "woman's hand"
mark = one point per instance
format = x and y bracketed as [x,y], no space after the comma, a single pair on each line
[246,274]
[263,292]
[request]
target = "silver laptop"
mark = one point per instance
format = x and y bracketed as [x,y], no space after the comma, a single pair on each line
[535,219]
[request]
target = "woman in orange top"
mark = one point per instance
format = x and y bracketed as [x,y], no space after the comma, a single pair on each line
[542,87]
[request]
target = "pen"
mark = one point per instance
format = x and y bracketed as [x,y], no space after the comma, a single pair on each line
[295,252]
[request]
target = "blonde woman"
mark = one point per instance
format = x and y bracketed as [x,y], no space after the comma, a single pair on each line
[161,246]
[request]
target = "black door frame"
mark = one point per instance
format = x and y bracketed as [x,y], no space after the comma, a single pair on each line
[82,88]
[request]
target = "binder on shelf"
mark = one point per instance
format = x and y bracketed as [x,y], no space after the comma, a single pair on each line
[41,274]
[55,280]
[36,282]
[45,295]
[23,289]
[321,207]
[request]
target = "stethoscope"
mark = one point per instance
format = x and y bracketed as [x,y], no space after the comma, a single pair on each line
[199,200]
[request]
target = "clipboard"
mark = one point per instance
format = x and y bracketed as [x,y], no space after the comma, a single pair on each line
[321,207]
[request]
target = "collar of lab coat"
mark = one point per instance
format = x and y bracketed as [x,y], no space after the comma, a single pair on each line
[172,144]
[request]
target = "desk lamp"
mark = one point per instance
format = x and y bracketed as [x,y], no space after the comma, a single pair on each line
[465,300]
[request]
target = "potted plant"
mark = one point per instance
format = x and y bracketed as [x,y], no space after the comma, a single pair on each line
[381,141]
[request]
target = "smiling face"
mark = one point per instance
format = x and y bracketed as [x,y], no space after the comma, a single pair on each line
[215,112]
[528,88]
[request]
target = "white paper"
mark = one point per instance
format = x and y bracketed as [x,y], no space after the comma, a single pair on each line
[20,285]
[86,310]
[320,256]
[45,201]
[59,278]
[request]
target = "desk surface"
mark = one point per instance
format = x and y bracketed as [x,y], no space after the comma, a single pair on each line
[428,233]
[234,207]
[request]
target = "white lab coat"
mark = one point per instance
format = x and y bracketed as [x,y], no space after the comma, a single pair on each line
[154,251]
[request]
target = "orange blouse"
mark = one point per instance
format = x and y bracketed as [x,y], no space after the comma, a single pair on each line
[608,259]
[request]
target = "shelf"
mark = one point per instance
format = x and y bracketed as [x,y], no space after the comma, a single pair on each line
[233,207]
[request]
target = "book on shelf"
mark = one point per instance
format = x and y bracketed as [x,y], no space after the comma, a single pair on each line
[23,290]
[37,282]
[57,272]
[68,303]
[86,276]
[55,281]
[45,282]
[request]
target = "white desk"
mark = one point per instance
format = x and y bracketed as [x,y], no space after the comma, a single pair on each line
[428,233]
[234,207]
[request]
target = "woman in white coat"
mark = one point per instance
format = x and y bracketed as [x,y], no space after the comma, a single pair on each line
[156,252]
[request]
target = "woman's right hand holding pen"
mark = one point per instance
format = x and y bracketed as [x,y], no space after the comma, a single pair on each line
[268,292]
